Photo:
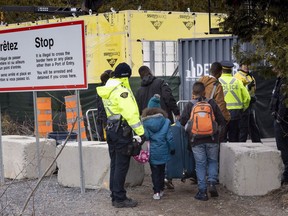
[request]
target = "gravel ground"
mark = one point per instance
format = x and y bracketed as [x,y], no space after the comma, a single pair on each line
[54,199]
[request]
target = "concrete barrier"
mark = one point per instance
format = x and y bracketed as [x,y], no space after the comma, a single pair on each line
[20,156]
[271,142]
[96,165]
[249,169]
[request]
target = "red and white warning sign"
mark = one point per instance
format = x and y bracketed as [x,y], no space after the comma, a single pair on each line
[43,57]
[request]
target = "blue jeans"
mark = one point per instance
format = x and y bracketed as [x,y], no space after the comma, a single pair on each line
[206,158]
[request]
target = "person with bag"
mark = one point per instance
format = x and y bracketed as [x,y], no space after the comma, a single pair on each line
[121,124]
[158,131]
[214,89]
[202,118]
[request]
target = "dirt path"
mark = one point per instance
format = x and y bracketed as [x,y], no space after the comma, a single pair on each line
[54,199]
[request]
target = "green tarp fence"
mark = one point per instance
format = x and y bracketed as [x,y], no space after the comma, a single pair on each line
[19,105]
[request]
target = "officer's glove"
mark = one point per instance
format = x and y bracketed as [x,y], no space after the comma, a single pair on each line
[250,85]
[143,139]
[140,139]
[137,138]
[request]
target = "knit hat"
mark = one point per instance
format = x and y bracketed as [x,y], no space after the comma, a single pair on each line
[122,70]
[154,101]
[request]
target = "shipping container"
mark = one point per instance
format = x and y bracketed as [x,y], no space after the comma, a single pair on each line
[195,57]
[136,37]
[197,54]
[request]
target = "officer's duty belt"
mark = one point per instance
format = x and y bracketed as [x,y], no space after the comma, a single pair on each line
[114,117]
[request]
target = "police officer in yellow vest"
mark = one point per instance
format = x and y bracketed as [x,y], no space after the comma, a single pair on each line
[236,97]
[123,120]
[248,122]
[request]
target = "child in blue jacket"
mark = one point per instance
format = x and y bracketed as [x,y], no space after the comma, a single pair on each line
[158,131]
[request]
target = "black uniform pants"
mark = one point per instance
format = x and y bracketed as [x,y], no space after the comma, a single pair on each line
[119,161]
[100,125]
[233,130]
[248,126]
[281,135]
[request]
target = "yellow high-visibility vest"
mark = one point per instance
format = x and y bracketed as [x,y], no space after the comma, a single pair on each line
[246,80]
[119,102]
[236,95]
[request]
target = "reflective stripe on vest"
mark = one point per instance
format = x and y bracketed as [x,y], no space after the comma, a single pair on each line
[136,125]
[238,103]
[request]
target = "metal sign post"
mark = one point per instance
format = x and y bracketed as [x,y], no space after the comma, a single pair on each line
[1,158]
[37,133]
[82,179]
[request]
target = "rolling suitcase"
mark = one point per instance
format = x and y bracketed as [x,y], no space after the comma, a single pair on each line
[182,164]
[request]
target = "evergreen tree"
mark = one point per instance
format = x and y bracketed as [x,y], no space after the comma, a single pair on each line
[263,24]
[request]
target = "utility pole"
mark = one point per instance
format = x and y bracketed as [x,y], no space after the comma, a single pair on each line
[209,14]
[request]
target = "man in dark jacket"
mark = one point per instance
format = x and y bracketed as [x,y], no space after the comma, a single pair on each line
[150,85]
[280,112]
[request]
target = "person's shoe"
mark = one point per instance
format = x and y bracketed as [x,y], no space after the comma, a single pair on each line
[284,182]
[156,196]
[161,193]
[201,195]
[169,184]
[128,203]
[212,190]
[193,180]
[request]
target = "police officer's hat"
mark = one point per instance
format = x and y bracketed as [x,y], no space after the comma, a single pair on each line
[227,66]
[122,70]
